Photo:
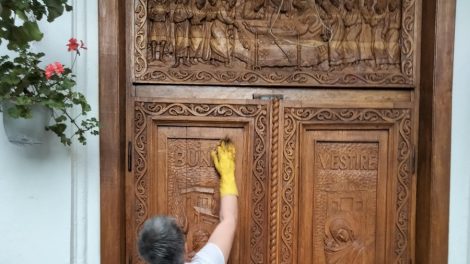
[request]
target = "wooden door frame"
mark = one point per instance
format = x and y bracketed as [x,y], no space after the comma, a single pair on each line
[432,215]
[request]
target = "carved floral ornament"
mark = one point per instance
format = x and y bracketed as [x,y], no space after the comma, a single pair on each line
[280,42]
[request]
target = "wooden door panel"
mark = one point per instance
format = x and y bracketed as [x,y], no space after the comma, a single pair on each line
[174,175]
[349,172]
[342,210]
[187,185]
[332,175]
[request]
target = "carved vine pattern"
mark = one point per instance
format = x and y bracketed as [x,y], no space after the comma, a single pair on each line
[293,116]
[144,73]
[143,110]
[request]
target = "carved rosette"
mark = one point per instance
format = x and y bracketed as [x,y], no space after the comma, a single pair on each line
[400,118]
[259,188]
[253,64]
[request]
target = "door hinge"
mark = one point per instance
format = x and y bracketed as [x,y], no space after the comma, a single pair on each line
[414,161]
[268,96]
[129,156]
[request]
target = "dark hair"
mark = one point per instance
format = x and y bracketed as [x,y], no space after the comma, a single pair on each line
[161,241]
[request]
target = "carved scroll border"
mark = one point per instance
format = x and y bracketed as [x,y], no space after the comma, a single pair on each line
[400,118]
[258,113]
[142,73]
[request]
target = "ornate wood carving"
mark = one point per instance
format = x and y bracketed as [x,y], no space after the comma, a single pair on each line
[203,194]
[400,119]
[274,211]
[349,190]
[193,189]
[272,42]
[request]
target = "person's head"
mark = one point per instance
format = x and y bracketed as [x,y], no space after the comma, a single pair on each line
[200,4]
[161,241]
[341,231]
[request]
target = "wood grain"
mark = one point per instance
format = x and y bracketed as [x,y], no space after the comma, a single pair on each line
[112,127]
[432,215]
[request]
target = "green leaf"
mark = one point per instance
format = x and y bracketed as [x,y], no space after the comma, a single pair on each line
[21,14]
[20,36]
[19,111]
[55,9]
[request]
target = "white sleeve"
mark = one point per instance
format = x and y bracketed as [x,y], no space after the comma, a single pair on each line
[209,254]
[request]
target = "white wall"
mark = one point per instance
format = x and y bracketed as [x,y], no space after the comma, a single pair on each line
[459,234]
[49,194]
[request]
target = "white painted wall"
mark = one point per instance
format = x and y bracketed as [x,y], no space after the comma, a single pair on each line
[459,234]
[49,194]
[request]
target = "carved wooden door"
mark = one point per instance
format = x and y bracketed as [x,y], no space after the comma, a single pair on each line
[174,175]
[346,185]
[325,175]
[317,185]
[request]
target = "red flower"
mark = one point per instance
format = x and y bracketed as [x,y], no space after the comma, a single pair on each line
[59,68]
[73,44]
[52,68]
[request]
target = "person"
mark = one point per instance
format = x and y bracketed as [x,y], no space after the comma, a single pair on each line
[161,240]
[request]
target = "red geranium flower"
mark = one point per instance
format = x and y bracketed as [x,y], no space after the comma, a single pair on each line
[59,68]
[73,44]
[52,68]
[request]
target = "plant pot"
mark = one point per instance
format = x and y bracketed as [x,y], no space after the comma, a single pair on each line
[26,131]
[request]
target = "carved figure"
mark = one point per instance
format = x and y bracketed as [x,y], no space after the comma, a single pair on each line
[335,11]
[221,42]
[282,7]
[200,238]
[365,38]
[253,9]
[199,33]
[353,25]
[341,244]
[378,23]
[158,28]
[181,17]
[393,33]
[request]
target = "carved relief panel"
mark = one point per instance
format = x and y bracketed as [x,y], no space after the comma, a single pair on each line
[346,186]
[272,42]
[186,175]
[174,174]
[344,173]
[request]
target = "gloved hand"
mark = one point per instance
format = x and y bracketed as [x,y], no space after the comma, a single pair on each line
[224,161]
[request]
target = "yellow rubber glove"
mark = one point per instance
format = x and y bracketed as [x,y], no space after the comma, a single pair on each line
[224,161]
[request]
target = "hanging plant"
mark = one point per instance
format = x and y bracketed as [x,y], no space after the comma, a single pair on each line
[24,83]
